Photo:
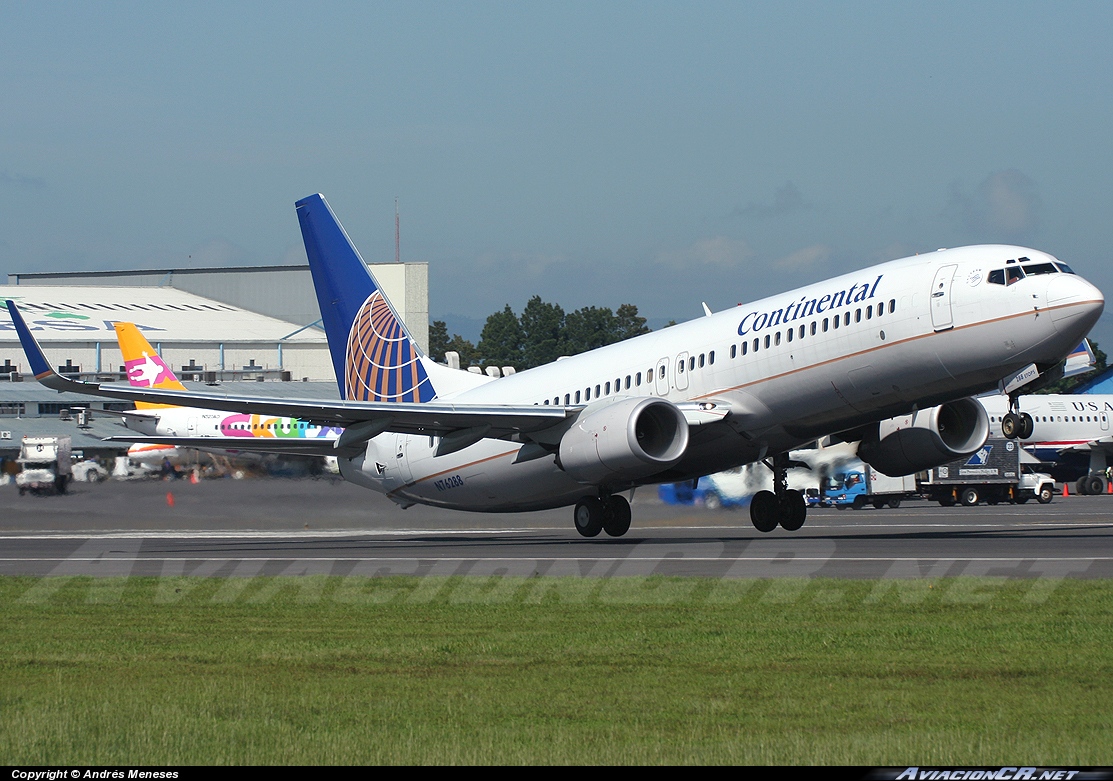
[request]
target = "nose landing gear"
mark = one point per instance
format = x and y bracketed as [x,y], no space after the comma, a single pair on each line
[1017,425]
[782,506]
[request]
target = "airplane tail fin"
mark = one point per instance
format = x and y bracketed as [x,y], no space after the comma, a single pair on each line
[373,354]
[144,366]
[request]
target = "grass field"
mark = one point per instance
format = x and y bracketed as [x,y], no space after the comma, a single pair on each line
[395,670]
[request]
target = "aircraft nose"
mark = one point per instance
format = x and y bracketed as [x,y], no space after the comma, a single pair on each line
[1073,302]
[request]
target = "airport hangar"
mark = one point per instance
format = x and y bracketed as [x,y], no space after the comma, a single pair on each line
[213,326]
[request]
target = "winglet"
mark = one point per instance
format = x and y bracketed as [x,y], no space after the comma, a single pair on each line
[40,367]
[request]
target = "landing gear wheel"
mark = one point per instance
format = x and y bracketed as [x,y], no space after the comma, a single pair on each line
[1027,426]
[1010,425]
[616,519]
[589,514]
[970,497]
[793,510]
[1095,485]
[1082,485]
[764,511]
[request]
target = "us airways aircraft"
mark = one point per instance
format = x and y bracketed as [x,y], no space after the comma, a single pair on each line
[1068,431]
[914,338]
[220,431]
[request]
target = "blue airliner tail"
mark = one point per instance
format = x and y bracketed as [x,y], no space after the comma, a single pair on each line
[374,356]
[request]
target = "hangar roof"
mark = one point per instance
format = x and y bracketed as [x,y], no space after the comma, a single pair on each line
[163,314]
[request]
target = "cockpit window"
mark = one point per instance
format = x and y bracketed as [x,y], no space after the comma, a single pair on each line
[997,277]
[1014,274]
[1041,268]
[1065,268]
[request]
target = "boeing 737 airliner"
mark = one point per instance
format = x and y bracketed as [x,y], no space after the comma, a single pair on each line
[915,338]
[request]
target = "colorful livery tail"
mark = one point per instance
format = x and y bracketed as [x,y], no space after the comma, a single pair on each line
[145,367]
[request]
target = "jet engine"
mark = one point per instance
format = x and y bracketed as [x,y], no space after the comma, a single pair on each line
[927,438]
[626,440]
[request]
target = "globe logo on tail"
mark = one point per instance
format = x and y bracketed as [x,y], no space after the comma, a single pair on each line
[382,362]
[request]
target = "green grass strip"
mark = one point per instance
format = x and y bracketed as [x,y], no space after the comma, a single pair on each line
[547,670]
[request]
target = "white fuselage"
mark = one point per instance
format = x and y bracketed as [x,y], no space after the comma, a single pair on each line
[911,333]
[1059,421]
[193,422]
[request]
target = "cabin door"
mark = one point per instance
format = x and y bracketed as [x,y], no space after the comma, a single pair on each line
[941,317]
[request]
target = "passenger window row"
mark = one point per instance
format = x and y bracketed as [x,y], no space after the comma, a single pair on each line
[804,330]
[630,381]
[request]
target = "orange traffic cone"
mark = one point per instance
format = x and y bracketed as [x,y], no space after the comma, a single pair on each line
[1065,492]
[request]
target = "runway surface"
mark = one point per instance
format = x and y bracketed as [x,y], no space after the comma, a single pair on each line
[246,528]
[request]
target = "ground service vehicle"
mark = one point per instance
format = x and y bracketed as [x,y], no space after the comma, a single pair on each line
[858,487]
[45,465]
[993,474]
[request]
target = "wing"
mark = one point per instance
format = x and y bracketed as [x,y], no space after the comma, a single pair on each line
[361,419]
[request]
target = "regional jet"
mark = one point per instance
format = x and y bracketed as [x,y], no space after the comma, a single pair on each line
[889,356]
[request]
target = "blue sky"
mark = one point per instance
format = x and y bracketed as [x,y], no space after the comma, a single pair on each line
[661,154]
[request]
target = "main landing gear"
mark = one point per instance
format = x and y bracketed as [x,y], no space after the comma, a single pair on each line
[782,506]
[595,514]
[1016,424]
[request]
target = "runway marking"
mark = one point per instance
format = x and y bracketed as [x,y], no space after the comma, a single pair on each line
[344,534]
[685,559]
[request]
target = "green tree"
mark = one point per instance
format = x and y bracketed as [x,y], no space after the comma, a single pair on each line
[588,328]
[500,344]
[629,323]
[542,333]
[438,340]
[469,356]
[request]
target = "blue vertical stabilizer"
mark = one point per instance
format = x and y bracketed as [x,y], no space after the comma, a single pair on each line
[373,354]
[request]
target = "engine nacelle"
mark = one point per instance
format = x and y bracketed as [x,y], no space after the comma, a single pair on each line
[626,440]
[927,438]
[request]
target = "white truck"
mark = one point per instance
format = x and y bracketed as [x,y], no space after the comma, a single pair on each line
[45,465]
[996,473]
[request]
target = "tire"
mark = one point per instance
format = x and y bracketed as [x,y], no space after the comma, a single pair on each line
[970,497]
[947,501]
[1010,426]
[1023,499]
[894,504]
[1027,426]
[878,504]
[616,519]
[1082,486]
[712,501]
[588,516]
[793,511]
[764,511]
[1046,494]
[859,502]
[1095,485]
